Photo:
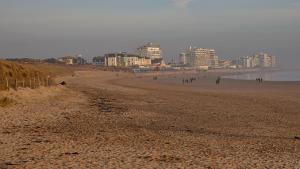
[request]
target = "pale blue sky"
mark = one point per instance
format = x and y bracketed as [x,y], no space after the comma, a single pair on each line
[40,28]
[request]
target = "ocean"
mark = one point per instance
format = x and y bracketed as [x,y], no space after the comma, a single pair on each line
[284,75]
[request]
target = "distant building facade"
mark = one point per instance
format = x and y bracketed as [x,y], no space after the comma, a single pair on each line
[225,64]
[213,59]
[199,57]
[262,60]
[79,60]
[68,60]
[150,50]
[125,60]
[274,61]
[99,60]
[182,59]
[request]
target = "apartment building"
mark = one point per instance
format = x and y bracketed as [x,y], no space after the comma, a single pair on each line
[262,60]
[199,57]
[125,60]
[150,50]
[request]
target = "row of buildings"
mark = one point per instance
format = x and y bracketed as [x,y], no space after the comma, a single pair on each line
[262,60]
[207,59]
[146,55]
[71,60]
[151,55]
[125,60]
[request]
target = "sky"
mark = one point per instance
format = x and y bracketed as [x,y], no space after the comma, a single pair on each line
[40,28]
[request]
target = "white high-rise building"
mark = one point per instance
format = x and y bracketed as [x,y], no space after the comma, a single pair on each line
[267,60]
[256,61]
[198,57]
[182,58]
[151,51]
[201,56]
[262,60]
[274,61]
[213,59]
[246,61]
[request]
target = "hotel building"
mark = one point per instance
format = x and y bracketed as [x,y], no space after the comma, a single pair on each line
[125,60]
[151,51]
[182,59]
[262,60]
[200,57]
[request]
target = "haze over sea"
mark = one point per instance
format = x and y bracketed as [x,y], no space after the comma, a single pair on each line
[283,75]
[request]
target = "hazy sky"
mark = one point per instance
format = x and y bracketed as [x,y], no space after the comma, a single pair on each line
[47,28]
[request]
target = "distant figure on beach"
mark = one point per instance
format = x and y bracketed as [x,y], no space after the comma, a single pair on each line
[259,80]
[218,81]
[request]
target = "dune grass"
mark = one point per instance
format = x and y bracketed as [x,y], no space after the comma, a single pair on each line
[5,101]
[13,75]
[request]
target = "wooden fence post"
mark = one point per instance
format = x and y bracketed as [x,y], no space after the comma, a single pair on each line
[34,82]
[16,84]
[39,82]
[7,83]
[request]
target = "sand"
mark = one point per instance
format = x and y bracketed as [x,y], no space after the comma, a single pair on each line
[118,120]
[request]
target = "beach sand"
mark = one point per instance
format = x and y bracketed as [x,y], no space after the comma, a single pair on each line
[120,120]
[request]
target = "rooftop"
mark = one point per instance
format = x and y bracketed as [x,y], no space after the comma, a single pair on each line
[150,45]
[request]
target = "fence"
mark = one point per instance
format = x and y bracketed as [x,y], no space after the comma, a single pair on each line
[7,82]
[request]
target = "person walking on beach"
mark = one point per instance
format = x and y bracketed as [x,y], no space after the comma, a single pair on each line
[259,80]
[218,80]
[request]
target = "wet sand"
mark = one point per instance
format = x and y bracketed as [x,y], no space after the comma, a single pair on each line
[117,120]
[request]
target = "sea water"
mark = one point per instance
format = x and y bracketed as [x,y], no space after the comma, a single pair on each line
[284,75]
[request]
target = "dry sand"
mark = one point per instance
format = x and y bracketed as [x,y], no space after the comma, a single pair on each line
[118,120]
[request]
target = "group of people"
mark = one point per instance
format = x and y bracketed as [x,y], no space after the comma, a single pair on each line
[190,80]
[259,80]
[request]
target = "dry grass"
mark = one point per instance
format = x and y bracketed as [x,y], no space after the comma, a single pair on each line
[55,70]
[5,101]
[13,75]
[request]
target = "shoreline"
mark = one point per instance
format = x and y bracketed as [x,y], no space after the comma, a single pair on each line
[217,73]
[268,76]
[223,73]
